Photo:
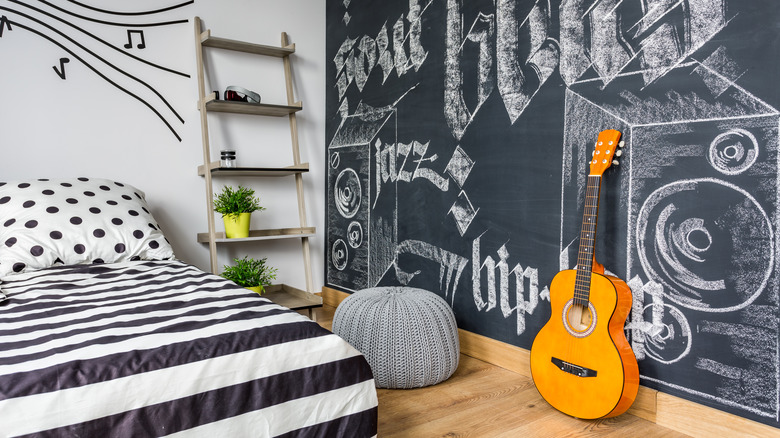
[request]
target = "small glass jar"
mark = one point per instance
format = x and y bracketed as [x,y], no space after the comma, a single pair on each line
[227,158]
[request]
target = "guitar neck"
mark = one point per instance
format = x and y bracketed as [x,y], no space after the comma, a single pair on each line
[587,240]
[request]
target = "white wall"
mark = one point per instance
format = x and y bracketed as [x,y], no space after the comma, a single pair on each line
[84,126]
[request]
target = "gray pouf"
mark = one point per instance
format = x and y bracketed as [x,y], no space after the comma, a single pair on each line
[408,335]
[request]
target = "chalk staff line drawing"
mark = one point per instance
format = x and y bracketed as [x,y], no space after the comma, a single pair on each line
[113,66]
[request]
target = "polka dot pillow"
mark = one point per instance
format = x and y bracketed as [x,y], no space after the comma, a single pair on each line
[44,223]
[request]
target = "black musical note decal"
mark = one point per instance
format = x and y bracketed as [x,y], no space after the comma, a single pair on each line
[61,71]
[130,33]
[4,22]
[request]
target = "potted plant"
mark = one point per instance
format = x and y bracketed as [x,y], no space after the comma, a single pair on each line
[250,273]
[236,207]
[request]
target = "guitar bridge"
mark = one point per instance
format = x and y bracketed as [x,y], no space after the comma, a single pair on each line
[572,368]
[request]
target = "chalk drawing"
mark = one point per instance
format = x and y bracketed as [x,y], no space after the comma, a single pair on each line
[480,34]
[340,255]
[499,275]
[595,36]
[719,71]
[357,58]
[361,241]
[460,166]
[463,212]
[733,152]
[514,85]
[348,193]
[657,330]
[355,234]
[451,265]
[675,243]
[499,42]
[418,149]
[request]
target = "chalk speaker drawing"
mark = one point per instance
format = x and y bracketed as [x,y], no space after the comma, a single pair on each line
[361,241]
[107,42]
[701,210]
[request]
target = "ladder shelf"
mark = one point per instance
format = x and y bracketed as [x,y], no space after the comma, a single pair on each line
[281,294]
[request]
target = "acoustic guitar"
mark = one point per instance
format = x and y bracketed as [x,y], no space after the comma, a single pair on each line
[581,362]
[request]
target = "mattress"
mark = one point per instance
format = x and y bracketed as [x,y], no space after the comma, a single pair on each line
[158,348]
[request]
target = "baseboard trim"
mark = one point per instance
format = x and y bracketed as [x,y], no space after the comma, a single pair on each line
[663,409]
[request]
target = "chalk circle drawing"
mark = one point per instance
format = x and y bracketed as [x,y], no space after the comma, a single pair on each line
[670,340]
[355,234]
[733,152]
[713,259]
[335,160]
[340,255]
[347,193]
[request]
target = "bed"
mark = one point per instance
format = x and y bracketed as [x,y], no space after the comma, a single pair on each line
[103,332]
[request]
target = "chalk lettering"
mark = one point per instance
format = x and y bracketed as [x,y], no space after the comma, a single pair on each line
[504,298]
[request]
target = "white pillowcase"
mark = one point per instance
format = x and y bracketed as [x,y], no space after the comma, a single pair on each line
[44,223]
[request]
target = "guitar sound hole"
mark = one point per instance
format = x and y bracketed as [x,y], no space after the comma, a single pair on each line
[579,320]
[579,317]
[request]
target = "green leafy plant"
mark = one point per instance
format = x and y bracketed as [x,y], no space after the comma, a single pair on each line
[249,272]
[233,201]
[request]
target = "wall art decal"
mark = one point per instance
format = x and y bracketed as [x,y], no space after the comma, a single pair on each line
[61,70]
[80,31]
[465,128]
[141,42]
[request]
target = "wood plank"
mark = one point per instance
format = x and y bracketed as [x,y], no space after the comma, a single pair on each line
[257,109]
[305,248]
[204,128]
[240,46]
[496,352]
[333,297]
[645,405]
[457,406]
[291,297]
[216,170]
[703,421]
[268,234]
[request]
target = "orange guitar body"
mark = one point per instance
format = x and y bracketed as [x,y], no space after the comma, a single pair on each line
[581,362]
[604,350]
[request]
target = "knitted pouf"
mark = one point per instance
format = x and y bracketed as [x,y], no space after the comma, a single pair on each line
[408,335]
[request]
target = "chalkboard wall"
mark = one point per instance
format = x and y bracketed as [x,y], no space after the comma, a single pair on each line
[458,134]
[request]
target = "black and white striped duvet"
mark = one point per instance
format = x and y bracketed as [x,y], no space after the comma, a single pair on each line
[162,348]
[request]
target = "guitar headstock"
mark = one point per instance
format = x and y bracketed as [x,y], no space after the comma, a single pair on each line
[606,152]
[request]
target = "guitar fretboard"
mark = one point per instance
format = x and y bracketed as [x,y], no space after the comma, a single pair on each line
[587,239]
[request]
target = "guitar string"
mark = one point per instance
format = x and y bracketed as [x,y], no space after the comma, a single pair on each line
[585,256]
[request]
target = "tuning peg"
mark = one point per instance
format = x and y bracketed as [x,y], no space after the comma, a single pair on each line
[621,143]
[618,153]
[615,162]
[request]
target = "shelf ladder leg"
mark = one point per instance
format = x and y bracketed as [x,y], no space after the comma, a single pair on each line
[297,161]
[204,123]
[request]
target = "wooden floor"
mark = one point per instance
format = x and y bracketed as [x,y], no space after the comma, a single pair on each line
[483,400]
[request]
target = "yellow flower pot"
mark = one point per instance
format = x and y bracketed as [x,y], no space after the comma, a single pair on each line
[258,289]
[236,225]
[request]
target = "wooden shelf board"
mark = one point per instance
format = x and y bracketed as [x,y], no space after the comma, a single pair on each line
[254,171]
[240,46]
[291,297]
[269,234]
[258,109]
